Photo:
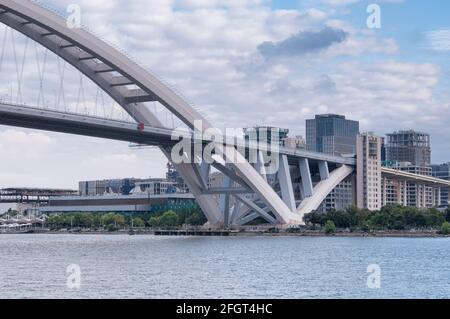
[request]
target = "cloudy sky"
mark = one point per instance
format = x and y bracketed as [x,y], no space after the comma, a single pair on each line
[247,62]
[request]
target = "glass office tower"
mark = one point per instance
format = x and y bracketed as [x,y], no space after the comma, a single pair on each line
[331,134]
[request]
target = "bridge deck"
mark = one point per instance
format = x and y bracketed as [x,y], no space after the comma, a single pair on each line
[56,121]
[397,174]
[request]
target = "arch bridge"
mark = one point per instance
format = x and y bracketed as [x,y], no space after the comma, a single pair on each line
[248,191]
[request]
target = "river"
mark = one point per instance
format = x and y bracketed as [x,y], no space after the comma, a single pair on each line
[123,266]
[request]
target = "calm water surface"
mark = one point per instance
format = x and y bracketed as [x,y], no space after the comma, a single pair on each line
[122,266]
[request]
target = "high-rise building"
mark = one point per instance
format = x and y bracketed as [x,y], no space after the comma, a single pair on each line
[342,196]
[410,151]
[443,171]
[368,167]
[334,134]
[331,134]
[409,146]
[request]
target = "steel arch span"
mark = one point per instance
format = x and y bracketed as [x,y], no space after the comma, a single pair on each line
[246,193]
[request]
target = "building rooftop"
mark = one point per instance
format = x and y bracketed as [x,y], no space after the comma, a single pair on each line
[318,116]
[411,131]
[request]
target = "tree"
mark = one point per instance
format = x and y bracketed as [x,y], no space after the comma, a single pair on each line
[434,218]
[379,220]
[358,217]
[11,212]
[365,227]
[154,221]
[447,215]
[397,220]
[420,220]
[113,219]
[183,215]
[138,222]
[112,228]
[108,219]
[330,227]
[197,218]
[97,220]
[86,220]
[169,219]
[340,218]
[445,228]
[54,221]
[119,220]
[314,218]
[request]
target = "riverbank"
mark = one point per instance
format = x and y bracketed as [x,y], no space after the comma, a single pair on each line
[244,233]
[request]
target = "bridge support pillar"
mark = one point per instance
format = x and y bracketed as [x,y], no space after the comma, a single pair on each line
[225,200]
[324,171]
[260,166]
[305,175]
[284,176]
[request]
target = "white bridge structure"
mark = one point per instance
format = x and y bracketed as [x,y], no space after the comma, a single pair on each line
[299,186]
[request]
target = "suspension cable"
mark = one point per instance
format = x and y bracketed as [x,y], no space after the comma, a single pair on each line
[19,73]
[61,72]
[41,71]
[2,54]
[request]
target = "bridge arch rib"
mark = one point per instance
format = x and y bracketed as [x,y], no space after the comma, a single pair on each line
[104,65]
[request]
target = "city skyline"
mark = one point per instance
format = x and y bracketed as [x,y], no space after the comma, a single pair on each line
[308,57]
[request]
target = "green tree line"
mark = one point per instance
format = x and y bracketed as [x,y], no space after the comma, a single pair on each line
[390,217]
[115,221]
